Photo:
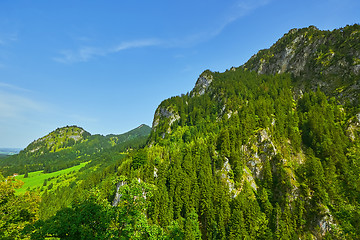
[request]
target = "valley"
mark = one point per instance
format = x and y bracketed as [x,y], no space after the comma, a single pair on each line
[39,180]
[266,150]
[4,152]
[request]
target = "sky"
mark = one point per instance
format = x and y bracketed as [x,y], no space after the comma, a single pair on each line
[106,65]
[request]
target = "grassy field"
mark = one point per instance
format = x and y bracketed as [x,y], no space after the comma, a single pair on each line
[36,179]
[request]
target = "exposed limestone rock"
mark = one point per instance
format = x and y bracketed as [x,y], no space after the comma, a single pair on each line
[317,56]
[173,118]
[353,128]
[356,69]
[250,179]
[259,150]
[76,137]
[118,195]
[166,114]
[230,113]
[202,84]
[326,223]
[155,172]
[226,173]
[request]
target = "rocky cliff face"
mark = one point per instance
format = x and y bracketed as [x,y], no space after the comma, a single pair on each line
[167,116]
[305,59]
[329,60]
[202,84]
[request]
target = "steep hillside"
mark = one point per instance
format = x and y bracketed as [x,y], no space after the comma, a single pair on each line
[256,153]
[58,140]
[326,59]
[66,147]
[268,150]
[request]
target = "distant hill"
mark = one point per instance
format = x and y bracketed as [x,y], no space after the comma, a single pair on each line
[56,141]
[66,147]
[9,151]
[267,150]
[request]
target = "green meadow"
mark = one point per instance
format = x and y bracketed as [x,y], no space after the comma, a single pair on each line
[35,180]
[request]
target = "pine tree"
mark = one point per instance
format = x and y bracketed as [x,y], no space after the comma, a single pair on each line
[191,229]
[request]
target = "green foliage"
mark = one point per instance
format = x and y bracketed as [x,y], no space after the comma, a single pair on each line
[69,146]
[94,218]
[317,58]
[15,210]
[198,177]
[86,220]
[139,159]
[249,158]
[37,179]
[220,127]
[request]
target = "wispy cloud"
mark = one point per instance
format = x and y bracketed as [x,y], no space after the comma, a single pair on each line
[12,87]
[7,38]
[247,6]
[84,54]
[238,10]
[15,106]
[235,12]
[5,41]
[137,44]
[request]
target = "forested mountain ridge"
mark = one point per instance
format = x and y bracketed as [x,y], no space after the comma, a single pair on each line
[278,135]
[267,150]
[57,140]
[65,147]
[326,59]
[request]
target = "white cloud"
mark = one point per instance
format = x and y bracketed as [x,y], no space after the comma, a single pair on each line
[14,106]
[7,38]
[238,10]
[83,54]
[13,87]
[137,44]
[247,6]
[235,12]
[241,9]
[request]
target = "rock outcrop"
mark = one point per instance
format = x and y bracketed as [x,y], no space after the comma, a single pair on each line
[329,60]
[202,84]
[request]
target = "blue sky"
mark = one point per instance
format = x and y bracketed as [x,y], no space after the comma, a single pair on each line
[107,65]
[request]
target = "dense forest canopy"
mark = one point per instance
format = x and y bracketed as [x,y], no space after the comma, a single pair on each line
[268,150]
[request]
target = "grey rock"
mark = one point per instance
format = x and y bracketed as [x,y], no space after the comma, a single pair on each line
[202,84]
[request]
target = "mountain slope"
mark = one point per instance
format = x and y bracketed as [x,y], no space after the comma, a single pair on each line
[66,147]
[245,155]
[58,140]
[259,155]
[326,59]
